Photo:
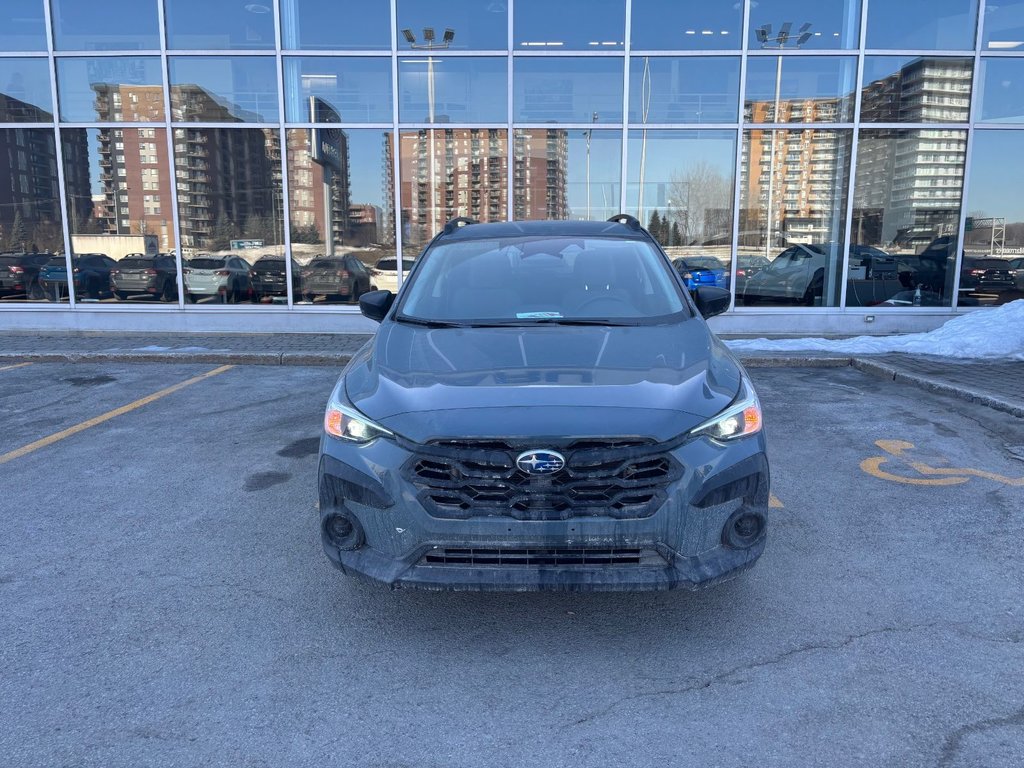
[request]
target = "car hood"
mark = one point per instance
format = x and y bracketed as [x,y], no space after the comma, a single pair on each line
[556,381]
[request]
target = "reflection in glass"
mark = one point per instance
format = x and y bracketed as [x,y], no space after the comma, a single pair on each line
[25,91]
[906,212]
[22,26]
[584,25]
[331,90]
[449,173]
[811,24]
[119,201]
[30,215]
[1002,90]
[109,88]
[453,24]
[657,25]
[330,25]
[683,90]
[800,89]
[568,90]
[452,90]
[1003,26]
[931,25]
[122,25]
[230,209]
[205,25]
[680,186]
[224,89]
[342,217]
[566,173]
[792,214]
[993,267]
[911,89]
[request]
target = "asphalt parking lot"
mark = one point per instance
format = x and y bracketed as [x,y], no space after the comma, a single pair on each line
[164,600]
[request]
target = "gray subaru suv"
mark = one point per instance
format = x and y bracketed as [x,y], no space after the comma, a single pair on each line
[543,407]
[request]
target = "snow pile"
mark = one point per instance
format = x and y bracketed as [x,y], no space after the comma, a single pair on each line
[985,333]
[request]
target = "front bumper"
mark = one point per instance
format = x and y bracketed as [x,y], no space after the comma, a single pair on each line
[681,544]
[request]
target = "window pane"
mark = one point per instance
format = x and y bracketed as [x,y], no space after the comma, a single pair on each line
[453,90]
[330,90]
[110,88]
[684,90]
[25,91]
[805,24]
[473,25]
[122,25]
[658,25]
[681,187]
[995,221]
[328,24]
[1004,26]
[22,26]
[906,212]
[800,177]
[916,89]
[1002,96]
[30,222]
[567,174]
[122,231]
[230,209]
[950,24]
[568,90]
[224,89]
[808,89]
[448,173]
[585,25]
[206,25]
[342,218]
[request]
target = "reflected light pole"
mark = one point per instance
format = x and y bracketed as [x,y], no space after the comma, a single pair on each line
[431,44]
[780,42]
[588,133]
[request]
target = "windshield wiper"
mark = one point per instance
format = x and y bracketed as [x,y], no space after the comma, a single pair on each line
[527,322]
[430,323]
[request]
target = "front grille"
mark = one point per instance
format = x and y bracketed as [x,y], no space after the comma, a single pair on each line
[533,558]
[622,479]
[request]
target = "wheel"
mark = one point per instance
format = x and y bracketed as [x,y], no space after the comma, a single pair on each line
[749,301]
[35,291]
[813,290]
[120,295]
[170,292]
[191,298]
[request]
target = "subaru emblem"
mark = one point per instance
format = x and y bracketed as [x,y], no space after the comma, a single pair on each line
[540,462]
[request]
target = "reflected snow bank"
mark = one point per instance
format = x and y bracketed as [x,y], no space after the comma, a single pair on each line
[986,333]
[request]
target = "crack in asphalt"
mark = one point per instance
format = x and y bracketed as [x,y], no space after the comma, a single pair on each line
[724,676]
[955,741]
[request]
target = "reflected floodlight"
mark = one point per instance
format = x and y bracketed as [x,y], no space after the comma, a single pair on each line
[763,32]
[784,33]
[805,34]
[409,36]
[428,34]
[449,34]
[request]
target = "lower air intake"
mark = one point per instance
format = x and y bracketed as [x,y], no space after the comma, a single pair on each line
[533,558]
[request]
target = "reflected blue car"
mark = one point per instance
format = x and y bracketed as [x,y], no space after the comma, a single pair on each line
[698,271]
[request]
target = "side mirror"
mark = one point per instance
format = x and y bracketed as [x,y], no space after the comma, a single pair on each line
[711,301]
[375,304]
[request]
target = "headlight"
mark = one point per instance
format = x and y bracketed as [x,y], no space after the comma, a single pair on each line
[741,418]
[346,423]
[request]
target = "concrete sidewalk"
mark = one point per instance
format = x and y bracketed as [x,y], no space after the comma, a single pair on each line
[996,384]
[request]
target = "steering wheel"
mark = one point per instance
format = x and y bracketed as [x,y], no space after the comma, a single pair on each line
[615,301]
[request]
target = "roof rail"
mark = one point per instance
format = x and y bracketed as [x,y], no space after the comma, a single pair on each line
[458,223]
[629,221]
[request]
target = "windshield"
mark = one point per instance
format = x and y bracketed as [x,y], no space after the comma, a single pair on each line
[131,263]
[392,264]
[543,279]
[206,263]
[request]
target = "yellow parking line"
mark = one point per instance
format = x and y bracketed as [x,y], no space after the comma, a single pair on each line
[16,365]
[774,502]
[17,454]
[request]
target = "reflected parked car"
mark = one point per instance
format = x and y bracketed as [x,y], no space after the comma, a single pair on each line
[228,279]
[747,267]
[138,274]
[1017,270]
[385,273]
[698,271]
[91,274]
[270,277]
[19,274]
[797,275]
[986,274]
[343,278]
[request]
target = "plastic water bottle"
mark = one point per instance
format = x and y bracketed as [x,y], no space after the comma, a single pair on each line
[917,296]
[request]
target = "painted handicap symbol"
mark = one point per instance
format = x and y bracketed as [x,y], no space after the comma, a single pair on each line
[897,454]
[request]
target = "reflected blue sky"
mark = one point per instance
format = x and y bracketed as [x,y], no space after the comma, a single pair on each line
[660,25]
[676,89]
[327,24]
[812,24]
[76,78]
[562,90]
[22,26]
[924,24]
[204,24]
[466,90]
[476,24]
[588,25]
[357,89]
[1002,90]
[27,81]
[121,25]
[1004,26]
[997,166]
[244,86]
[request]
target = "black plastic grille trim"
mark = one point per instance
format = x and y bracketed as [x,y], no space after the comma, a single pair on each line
[538,557]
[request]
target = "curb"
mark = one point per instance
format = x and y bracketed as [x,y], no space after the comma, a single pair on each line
[792,361]
[215,358]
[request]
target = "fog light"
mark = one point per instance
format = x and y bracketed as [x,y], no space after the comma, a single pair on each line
[743,529]
[341,530]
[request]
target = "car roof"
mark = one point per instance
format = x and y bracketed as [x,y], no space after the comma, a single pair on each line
[510,229]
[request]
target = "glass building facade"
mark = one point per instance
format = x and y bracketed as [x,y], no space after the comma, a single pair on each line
[827,157]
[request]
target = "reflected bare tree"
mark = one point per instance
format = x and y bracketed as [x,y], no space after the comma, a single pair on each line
[701,207]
